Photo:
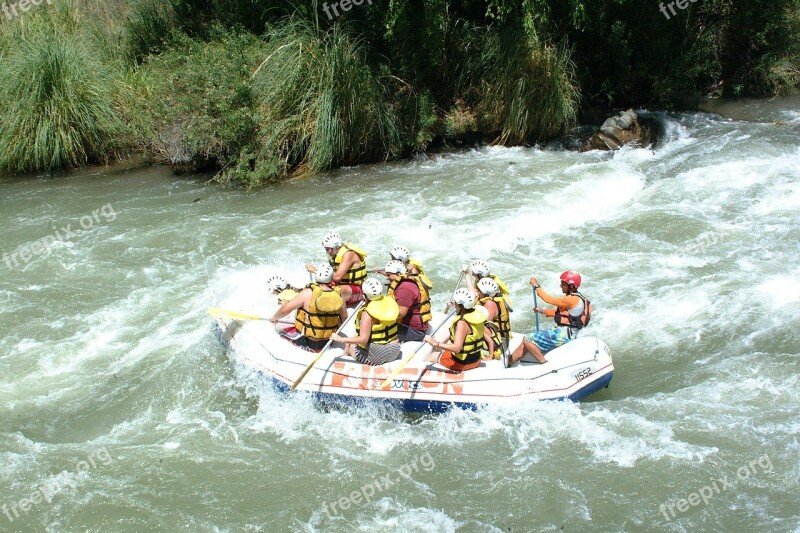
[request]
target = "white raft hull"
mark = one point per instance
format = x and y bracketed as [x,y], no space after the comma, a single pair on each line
[572,372]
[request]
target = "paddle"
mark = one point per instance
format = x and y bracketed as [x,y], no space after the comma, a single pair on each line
[458,284]
[408,359]
[216,312]
[325,349]
[535,304]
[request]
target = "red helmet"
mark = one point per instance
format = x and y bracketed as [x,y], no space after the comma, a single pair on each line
[571,278]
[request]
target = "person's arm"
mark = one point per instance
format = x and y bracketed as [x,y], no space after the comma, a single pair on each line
[363,337]
[293,304]
[350,258]
[567,302]
[343,314]
[462,330]
[491,306]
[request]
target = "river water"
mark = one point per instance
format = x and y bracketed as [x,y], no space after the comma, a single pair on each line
[120,411]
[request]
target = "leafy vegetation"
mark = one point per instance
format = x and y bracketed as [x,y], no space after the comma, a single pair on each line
[264,89]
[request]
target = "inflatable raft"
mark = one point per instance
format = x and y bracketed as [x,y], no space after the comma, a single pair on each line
[573,371]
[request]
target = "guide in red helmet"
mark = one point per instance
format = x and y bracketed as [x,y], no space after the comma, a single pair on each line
[572,313]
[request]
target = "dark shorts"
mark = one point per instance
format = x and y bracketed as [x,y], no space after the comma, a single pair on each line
[407,334]
[309,344]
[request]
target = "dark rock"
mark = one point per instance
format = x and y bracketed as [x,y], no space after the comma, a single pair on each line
[624,128]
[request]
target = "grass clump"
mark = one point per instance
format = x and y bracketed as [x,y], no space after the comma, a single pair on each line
[322,105]
[58,110]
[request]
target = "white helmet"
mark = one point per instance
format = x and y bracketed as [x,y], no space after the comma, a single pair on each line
[395,267]
[276,283]
[324,273]
[372,288]
[400,253]
[488,286]
[464,297]
[332,240]
[480,268]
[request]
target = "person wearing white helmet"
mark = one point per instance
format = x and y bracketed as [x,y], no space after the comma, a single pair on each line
[349,267]
[414,300]
[278,286]
[572,313]
[463,349]
[498,330]
[320,311]
[413,267]
[376,341]
[479,269]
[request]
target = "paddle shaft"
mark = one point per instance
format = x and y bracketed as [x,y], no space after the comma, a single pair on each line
[536,304]
[235,315]
[458,284]
[408,359]
[325,349]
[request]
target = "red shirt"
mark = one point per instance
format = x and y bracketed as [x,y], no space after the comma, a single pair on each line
[407,295]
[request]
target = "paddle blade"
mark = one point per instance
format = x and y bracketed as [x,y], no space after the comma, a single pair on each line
[234,315]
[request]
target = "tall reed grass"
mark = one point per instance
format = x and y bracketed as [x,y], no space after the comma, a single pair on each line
[322,104]
[57,111]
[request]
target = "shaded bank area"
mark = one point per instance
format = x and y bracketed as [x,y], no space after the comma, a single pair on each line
[261,90]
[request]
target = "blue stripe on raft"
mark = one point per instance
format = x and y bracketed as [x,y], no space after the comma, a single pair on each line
[427,406]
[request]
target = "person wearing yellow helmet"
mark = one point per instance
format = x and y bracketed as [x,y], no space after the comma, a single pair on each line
[376,342]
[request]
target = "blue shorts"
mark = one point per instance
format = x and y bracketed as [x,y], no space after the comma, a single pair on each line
[549,339]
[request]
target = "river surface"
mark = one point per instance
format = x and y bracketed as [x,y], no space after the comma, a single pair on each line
[120,411]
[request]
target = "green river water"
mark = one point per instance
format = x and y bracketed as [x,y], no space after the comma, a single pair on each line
[120,410]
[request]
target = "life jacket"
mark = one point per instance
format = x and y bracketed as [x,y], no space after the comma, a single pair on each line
[423,278]
[357,274]
[576,322]
[502,320]
[384,312]
[322,319]
[287,295]
[473,343]
[423,308]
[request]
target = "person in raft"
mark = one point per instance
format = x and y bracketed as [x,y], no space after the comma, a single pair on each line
[413,298]
[498,326]
[463,351]
[349,266]
[320,311]
[413,267]
[278,286]
[572,313]
[376,341]
[480,270]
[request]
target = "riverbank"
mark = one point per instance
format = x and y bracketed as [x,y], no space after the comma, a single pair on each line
[258,95]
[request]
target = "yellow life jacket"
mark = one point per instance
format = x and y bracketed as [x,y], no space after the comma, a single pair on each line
[322,319]
[287,295]
[423,309]
[357,274]
[502,320]
[473,343]
[384,312]
[425,279]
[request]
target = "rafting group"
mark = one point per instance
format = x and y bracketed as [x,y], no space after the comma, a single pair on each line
[481,329]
